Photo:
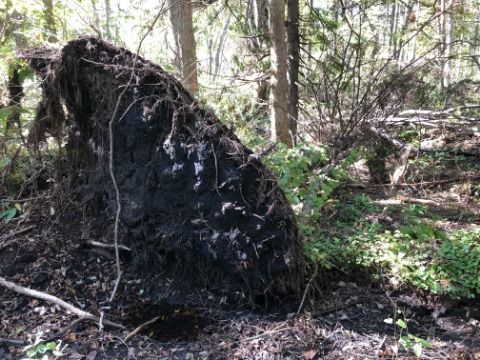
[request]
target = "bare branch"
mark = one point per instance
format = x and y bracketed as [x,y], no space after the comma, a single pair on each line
[47,297]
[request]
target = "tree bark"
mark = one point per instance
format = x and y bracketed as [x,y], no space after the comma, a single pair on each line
[257,17]
[406,10]
[474,46]
[18,25]
[443,35]
[14,85]
[220,47]
[184,48]
[15,94]
[5,23]
[415,29]
[293,63]
[278,53]
[108,18]
[95,25]
[449,26]
[393,29]
[49,18]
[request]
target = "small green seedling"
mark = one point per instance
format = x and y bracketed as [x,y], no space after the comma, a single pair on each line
[409,341]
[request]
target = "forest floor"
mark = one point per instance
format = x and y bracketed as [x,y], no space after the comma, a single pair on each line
[347,321]
[344,320]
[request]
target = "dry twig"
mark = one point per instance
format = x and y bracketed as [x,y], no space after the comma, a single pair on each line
[409,199]
[65,329]
[139,328]
[15,233]
[307,289]
[47,297]
[266,333]
[106,246]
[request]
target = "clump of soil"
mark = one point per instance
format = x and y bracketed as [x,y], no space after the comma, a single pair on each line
[197,207]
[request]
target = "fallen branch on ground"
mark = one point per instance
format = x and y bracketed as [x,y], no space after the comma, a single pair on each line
[422,183]
[15,233]
[408,199]
[64,330]
[47,297]
[314,276]
[139,328]
[266,333]
[14,342]
[398,144]
[412,116]
[107,246]
[402,169]
[4,242]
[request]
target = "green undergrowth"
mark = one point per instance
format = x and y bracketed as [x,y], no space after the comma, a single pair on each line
[346,231]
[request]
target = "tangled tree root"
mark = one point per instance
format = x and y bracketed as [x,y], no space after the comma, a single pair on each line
[197,206]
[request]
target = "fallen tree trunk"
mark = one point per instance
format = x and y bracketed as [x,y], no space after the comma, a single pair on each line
[197,206]
[434,117]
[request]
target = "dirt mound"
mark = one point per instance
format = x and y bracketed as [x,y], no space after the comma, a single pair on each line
[197,206]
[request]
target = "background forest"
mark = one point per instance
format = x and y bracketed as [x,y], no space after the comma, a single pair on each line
[367,111]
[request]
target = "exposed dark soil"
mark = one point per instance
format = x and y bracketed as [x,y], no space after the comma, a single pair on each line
[147,165]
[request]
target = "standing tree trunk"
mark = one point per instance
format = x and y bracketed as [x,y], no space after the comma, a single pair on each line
[444,48]
[278,53]
[18,29]
[5,23]
[49,19]
[416,20]
[108,16]
[449,19]
[15,95]
[184,51]
[221,46]
[393,29]
[95,25]
[14,86]
[474,45]
[406,11]
[257,17]
[293,63]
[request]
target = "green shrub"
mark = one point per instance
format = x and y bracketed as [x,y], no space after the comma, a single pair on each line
[337,230]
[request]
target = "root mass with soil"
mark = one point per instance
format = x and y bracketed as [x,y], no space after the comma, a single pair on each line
[198,207]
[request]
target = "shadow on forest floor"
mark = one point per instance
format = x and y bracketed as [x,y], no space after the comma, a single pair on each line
[346,319]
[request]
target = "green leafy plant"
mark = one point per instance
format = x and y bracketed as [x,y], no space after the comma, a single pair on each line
[295,170]
[8,214]
[418,228]
[312,187]
[417,253]
[457,262]
[409,341]
[425,257]
[39,350]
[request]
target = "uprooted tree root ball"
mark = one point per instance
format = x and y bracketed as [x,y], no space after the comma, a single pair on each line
[198,207]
